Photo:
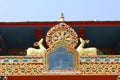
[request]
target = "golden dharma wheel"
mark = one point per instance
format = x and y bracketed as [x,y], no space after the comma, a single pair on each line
[63,32]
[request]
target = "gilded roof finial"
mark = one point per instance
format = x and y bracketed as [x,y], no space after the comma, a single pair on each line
[62,18]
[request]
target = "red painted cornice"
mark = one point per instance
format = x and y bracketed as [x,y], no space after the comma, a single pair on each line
[70,23]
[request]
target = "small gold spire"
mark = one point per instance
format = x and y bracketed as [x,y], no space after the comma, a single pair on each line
[62,18]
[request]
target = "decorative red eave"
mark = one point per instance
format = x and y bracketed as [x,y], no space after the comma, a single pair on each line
[50,24]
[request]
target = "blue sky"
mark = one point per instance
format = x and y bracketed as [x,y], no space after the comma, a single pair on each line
[50,10]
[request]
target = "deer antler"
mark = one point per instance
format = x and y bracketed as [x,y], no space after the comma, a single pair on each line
[81,40]
[87,41]
[41,40]
[37,43]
